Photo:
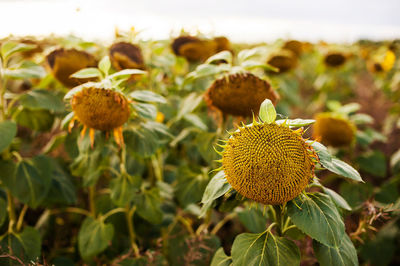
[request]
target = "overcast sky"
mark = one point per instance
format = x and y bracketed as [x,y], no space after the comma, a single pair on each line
[242,20]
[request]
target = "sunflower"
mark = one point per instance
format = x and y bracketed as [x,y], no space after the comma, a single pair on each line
[101,109]
[382,62]
[295,46]
[268,163]
[334,130]
[124,55]
[239,94]
[335,59]
[195,49]
[64,62]
[285,60]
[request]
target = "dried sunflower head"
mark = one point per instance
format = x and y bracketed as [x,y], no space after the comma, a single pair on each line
[284,61]
[181,40]
[65,62]
[125,55]
[268,163]
[223,44]
[239,94]
[101,109]
[333,130]
[295,46]
[198,51]
[334,59]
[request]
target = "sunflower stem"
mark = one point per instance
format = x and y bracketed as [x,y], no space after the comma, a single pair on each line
[129,212]
[221,223]
[11,212]
[92,196]
[3,102]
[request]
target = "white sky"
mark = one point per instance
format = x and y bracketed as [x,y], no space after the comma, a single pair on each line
[241,20]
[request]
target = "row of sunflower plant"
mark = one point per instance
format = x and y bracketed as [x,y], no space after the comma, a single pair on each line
[183,152]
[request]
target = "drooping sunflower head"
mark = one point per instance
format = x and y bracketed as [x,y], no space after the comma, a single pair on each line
[268,163]
[335,59]
[181,40]
[124,55]
[334,130]
[295,46]
[223,44]
[240,94]
[64,62]
[101,109]
[285,60]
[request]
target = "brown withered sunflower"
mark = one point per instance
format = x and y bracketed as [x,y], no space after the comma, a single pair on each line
[268,163]
[124,55]
[335,59]
[101,109]
[65,62]
[295,46]
[333,130]
[285,61]
[240,94]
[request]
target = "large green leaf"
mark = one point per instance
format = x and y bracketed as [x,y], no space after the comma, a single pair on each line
[337,199]
[343,255]
[318,217]
[264,249]
[94,236]
[221,259]
[253,219]
[333,164]
[190,185]
[217,187]
[26,245]
[25,71]
[123,189]
[148,205]
[39,120]
[42,99]
[8,130]
[10,48]
[31,180]
[147,96]
[373,163]
[146,110]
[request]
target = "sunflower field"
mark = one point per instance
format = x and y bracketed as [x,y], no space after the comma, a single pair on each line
[195,150]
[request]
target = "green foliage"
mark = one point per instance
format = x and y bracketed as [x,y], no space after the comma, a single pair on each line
[264,249]
[8,130]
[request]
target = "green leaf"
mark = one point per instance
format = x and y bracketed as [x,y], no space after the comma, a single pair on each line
[189,104]
[356,194]
[250,64]
[94,236]
[148,205]
[253,219]
[39,120]
[318,217]
[42,99]
[267,111]
[126,73]
[264,249]
[217,187]
[147,96]
[295,122]
[10,48]
[8,130]
[90,72]
[394,161]
[3,211]
[123,189]
[105,64]
[248,54]
[196,121]
[31,180]
[337,199]
[25,71]
[333,164]
[373,162]
[221,259]
[190,185]
[146,110]
[225,56]
[26,245]
[343,255]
